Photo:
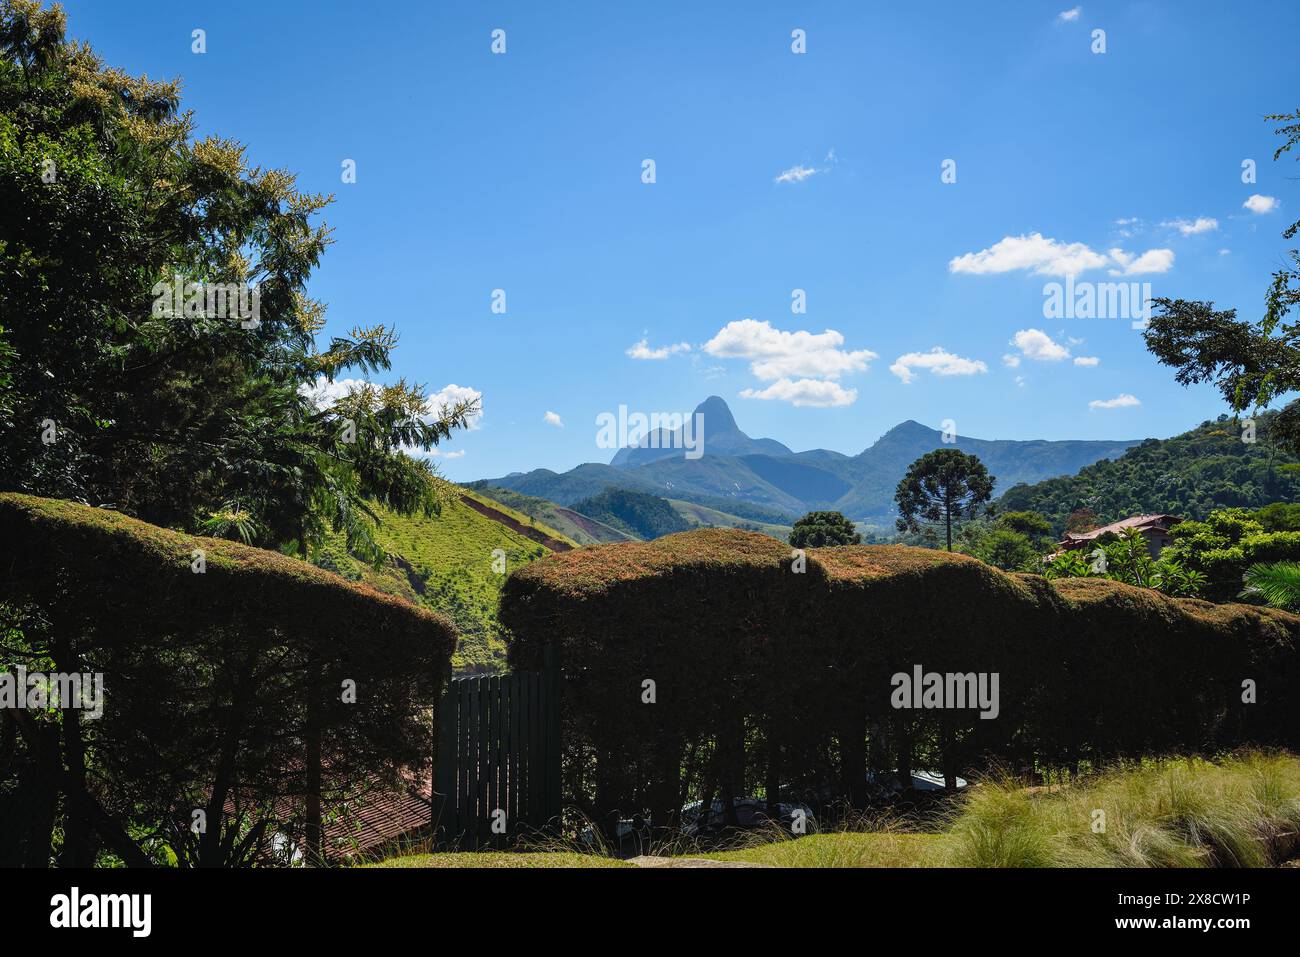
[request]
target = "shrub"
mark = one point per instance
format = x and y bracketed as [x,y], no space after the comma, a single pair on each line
[819,529]
[767,679]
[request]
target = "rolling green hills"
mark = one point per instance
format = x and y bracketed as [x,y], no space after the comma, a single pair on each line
[1188,475]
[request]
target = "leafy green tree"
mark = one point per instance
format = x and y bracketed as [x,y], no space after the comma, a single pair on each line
[1227,543]
[182,417]
[1033,525]
[1251,363]
[819,529]
[1009,550]
[942,487]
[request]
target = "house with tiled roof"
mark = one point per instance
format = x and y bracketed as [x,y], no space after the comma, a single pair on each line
[1154,528]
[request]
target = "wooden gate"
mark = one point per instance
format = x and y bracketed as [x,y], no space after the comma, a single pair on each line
[498,760]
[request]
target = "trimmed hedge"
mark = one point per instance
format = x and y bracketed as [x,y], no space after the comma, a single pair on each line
[215,682]
[769,678]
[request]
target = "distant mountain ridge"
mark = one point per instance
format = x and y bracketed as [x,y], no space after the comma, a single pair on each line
[765,480]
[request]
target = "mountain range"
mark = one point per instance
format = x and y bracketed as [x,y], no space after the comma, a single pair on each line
[763,479]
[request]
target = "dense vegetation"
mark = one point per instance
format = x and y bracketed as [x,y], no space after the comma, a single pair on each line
[769,680]
[1188,475]
[159,358]
[638,514]
[1229,541]
[162,346]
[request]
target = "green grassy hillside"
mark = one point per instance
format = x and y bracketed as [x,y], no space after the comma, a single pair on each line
[444,562]
[701,516]
[572,525]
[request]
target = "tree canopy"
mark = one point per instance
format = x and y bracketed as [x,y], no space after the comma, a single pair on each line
[943,487]
[819,529]
[180,409]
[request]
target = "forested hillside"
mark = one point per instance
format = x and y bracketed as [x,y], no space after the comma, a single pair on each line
[645,516]
[1188,475]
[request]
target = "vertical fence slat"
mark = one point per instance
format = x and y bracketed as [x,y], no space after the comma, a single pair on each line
[553,790]
[484,812]
[507,750]
[494,755]
[462,766]
[475,759]
[444,772]
[525,768]
[537,779]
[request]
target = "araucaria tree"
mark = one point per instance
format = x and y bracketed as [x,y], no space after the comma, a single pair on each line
[942,487]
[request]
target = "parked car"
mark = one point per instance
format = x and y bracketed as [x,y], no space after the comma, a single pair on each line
[921,781]
[751,812]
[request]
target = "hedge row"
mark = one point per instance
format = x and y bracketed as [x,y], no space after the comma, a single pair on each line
[223,688]
[765,677]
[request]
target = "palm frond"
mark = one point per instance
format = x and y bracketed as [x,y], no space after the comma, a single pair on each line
[1277,583]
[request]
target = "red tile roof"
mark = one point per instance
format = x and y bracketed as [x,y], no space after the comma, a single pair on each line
[1152,522]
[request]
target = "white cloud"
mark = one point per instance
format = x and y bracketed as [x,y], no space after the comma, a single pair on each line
[435,454]
[817,393]
[1039,346]
[1260,204]
[1086,361]
[1202,224]
[550,418]
[1121,401]
[1225,252]
[1049,257]
[938,361]
[1153,260]
[775,354]
[642,350]
[1128,226]
[1034,252]
[1011,361]
[451,394]
[1069,16]
[796,174]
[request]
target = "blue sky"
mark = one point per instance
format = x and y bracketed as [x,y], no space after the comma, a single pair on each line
[523,172]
